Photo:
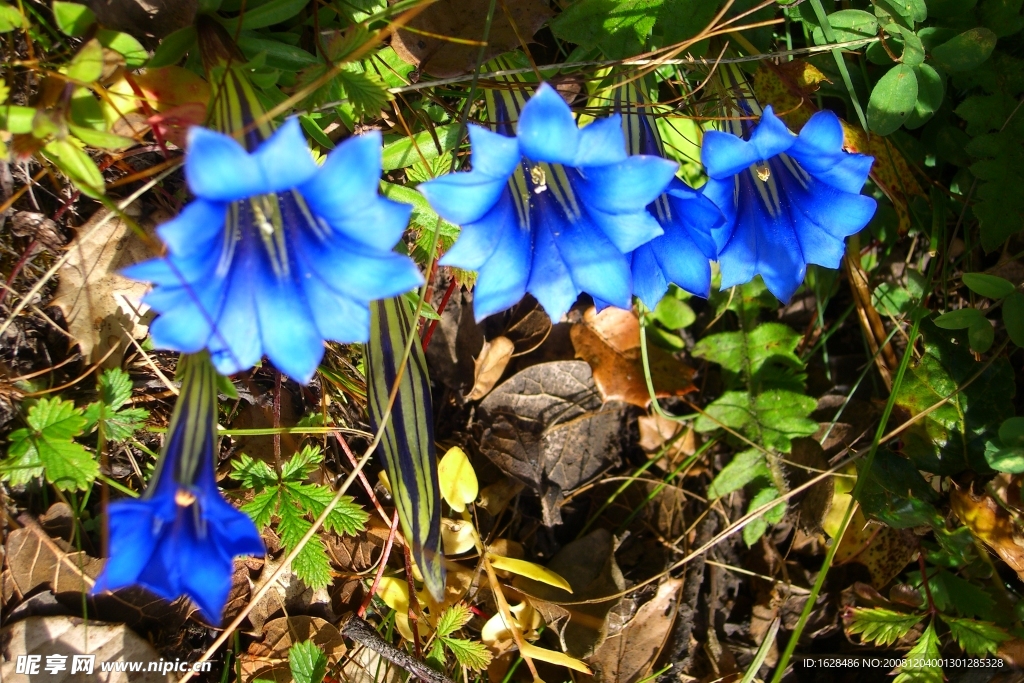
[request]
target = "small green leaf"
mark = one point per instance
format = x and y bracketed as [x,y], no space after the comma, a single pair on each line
[406,151]
[1013,317]
[931,89]
[989,286]
[172,48]
[921,661]
[980,335]
[10,18]
[307,662]
[847,25]
[47,448]
[772,419]
[72,18]
[469,654]
[977,638]
[966,51]
[364,90]
[87,65]
[17,119]
[881,626]
[1011,432]
[76,165]
[270,13]
[744,468]
[673,313]
[892,99]
[252,473]
[134,53]
[960,319]
[452,619]
[100,139]
[278,55]
[755,528]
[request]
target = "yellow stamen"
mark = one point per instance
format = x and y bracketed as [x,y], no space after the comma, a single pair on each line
[184,498]
[763,172]
[539,179]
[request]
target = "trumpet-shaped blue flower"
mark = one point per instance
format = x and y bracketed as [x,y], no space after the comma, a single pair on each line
[682,255]
[181,536]
[276,254]
[552,211]
[789,200]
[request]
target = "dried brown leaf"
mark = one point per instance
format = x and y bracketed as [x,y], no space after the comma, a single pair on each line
[490,366]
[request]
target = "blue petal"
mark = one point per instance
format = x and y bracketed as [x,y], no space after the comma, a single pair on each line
[463,197]
[722,193]
[547,130]
[285,159]
[347,181]
[290,339]
[493,154]
[629,185]
[771,137]
[502,279]
[195,229]
[219,169]
[367,274]
[601,142]
[337,317]
[132,542]
[697,213]
[627,231]
[649,283]
[819,150]
[235,344]
[724,154]
[596,265]
[379,224]
[550,280]
[479,239]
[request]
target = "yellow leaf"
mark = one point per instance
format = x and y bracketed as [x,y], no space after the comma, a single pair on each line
[552,657]
[394,592]
[458,536]
[458,480]
[529,570]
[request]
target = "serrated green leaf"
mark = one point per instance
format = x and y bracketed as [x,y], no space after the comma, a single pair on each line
[772,419]
[72,18]
[302,464]
[452,619]
[311,564]
[262,507]
[746,354]
[47,448]
[468,653]
[920,661]
[892,99]
[115,387]
[951,438]
[347,517]
[989,286]
[950,592]
[364,90]
[977,638]
[744,468]
[881,626]
[307,662]
[118,425]
[618,27]
[252,473]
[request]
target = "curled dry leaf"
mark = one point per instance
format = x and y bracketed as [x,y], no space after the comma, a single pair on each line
[102,307]
[610,342]
[427,39]
[490,366]
[990,521]
[883,550]
[71,636]
[458,536]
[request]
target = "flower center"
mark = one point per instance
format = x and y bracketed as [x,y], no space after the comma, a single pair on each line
[763,172]
[539,179]
[184,498]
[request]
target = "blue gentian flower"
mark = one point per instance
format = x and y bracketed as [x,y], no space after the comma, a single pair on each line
[682,255]
[551,211]
[789,200]
[181,536]
[276,254]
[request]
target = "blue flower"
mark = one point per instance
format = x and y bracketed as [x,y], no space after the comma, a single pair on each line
[682,255]
[789,200]
[276,254]
[181,536]
[552,211]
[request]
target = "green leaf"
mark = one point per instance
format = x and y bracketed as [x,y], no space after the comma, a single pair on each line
[618,27]
[87,64]
[452,619]
[364,90]
[1005,459]
[252,473]
[347,517]
[989,286]
[46,448]
[920,661]
[10,18]
[951,438]
[673,313]
[134,53]
[307,662]
[1013,317]
[980,335]
[118,425]
[302,464]
[881,626]
[755,528]
[892,100]
[76,165]
[680,20]
[72,18]
[897,494]
[977,638]
[763,355]
[847,25]
[173,47]
[967,51]
[278,55]
[745,467]
[311,564]
[771,419]
[406,151]
[1011,432]
[931,89]
[262,508]
[960,319]
[270,13]
[100,139]
[469,654]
